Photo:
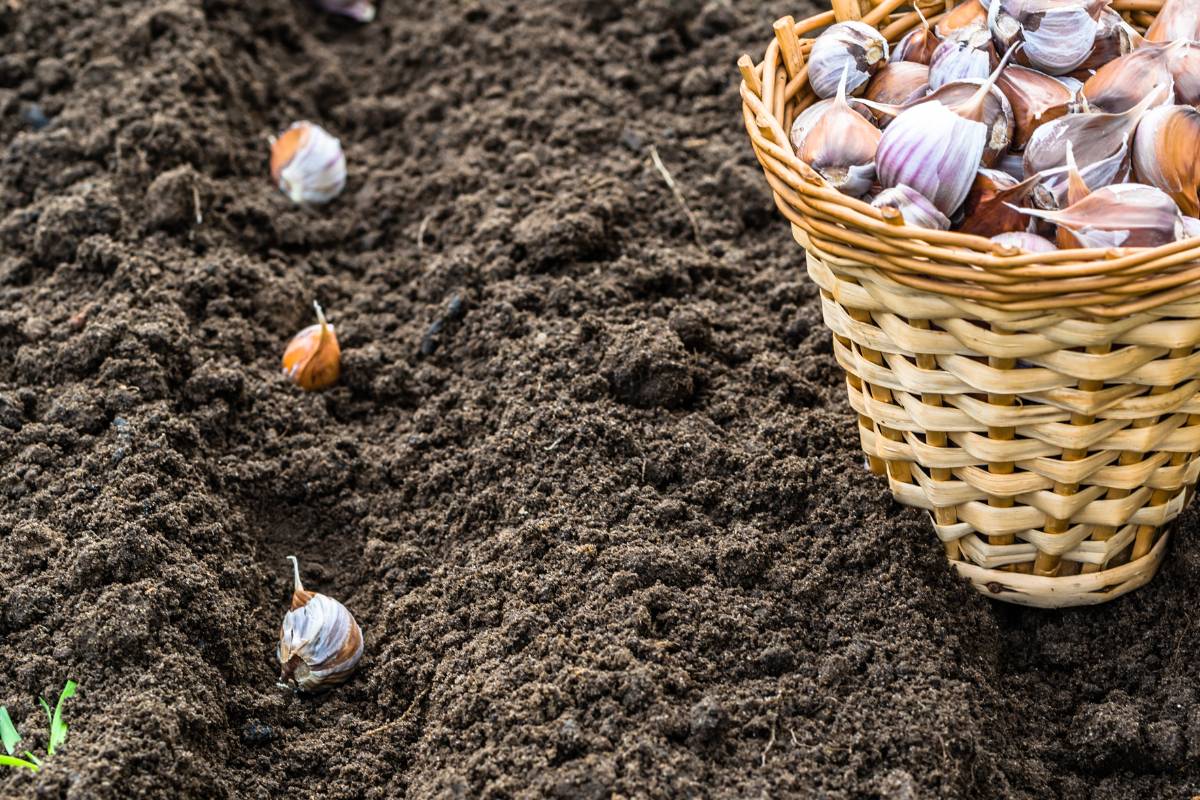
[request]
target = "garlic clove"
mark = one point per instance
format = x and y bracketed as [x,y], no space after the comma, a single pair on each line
[807,118]
[988,209]
[971,14]
[1191,228]
[1176,20]
[1166,154]
[308,164]
[1035,99]
[1122,83]
[914,208]
[1056,186]
[1114,38]
[313,358]
[1012,165]
[965,54]
[918,45]
[1058,35]
[841,146]
[1028,242]
[360,10]
[1183,60]
[898,83]
[320,643]
[1122,215]
[851,47]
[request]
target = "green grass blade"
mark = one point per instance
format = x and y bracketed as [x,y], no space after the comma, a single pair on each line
[33,758]
[58,728]
[8,731]
[10,761]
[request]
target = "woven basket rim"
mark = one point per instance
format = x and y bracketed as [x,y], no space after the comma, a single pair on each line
[1102,283]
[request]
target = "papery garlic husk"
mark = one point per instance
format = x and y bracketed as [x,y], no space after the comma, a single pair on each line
[1123,83]
[966,54]
[898,84]
[852,47]
[1058,35]
[1166,154]
[971,14]
[841,146]
[1114,38]
[1029,242]
[809,117]
[360,10]
[935,149]
[997,113]
[1101,143]
[1122,215]
[1035,99]
[1177,20]
[308,164]
[320,644]
[918,45]
[914,208]
[988,209]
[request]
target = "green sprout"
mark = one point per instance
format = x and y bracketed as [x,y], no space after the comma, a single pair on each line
[58,732]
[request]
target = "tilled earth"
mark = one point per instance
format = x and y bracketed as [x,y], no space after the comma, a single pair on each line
[589,481]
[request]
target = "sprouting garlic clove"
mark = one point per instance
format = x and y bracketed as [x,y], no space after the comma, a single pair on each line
[1035,99]
[914,208]
[1028,242]
[963,55]
[307,164]
[1177,20]
[842,145]
[1122,215]
[898,84]
[313,358]
[918,45]
[1114,38]
[1122,83]
[1058,35]
[970,14]
[359,10]
[935,149]
[1166,154]
[851,47]
[320,643]
[809,117]
[988,209]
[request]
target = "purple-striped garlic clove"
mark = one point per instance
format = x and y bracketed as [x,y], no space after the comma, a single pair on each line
[320,644]
[914,208]
[809,117]
[308,164]
[1035,99]
[851,47]
[841,146]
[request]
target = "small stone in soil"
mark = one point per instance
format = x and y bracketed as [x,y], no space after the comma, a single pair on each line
[255,732]
[34,116]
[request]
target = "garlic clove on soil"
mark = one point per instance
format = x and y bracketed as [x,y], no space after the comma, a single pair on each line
[307,164]
[853,48]
[360,10]
[313,358]
[320,643]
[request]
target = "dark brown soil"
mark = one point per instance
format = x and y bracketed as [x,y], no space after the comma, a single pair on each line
[590,486]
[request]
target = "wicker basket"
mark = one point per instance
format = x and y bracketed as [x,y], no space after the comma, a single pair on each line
[1043,408]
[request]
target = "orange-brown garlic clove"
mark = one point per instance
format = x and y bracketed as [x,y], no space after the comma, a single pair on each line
[1177,19]
[972,13]
[313,359]
[1166,154]
[307,164]
[320,643]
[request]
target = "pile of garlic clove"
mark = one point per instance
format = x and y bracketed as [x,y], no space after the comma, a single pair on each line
[1040,124]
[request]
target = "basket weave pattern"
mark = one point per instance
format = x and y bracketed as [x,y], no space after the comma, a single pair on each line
[1044,409]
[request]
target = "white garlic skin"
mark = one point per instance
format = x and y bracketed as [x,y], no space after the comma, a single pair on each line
[320,643]
[360,10]
[308,164]
[1058,35]
[961,57]
[852,47]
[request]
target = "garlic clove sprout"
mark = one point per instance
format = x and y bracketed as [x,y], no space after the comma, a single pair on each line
[988,209]
[313,358]
[853,48]
[1122,215]
[308,164]
[320,643]
[1166,154]
[1035,99]
[841,146]
[914,208]
[360,10]
[1058,35]
[1176,20]
[1028,242]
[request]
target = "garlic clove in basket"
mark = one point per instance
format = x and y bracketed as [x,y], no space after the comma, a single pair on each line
[308,164]
[360,10]
[1114,38]
[841,146]
[1058,35]
[898,84]
[966,54]
[1184,63]
[1122,83]
[989,207]
[1035,99]
[1122,215]
[918,45]
[1176,20]
[852,47]
[1011,164]
[809,117]
[996,113]
[1028,242]
[970,14]
[1191,228]
[1166,154]
[914,208]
